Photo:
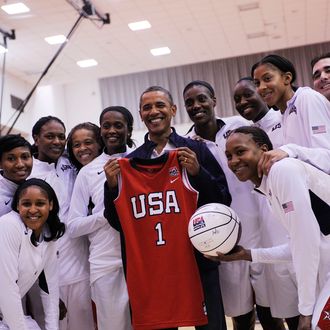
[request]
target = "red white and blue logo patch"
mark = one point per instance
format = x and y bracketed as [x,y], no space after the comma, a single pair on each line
[198,223]
[293,110]
[173,171]
[288,207]
[319,129]
[324,320]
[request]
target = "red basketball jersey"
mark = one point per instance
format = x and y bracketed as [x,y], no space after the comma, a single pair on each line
[154,207]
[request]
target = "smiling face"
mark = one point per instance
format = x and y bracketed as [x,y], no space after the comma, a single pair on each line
[50,141]
[321,77]
[199,104]
[34,207]
[273,85]
[243,155]
[248,102]
[156,111]
[16,164]
[84,146]
[114,132]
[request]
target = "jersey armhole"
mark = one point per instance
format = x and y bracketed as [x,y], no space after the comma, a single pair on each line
[120,184]
[186,182]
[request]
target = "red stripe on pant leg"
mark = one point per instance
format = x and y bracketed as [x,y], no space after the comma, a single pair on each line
[324,321]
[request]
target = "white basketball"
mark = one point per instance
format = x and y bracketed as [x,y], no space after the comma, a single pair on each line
[214,227]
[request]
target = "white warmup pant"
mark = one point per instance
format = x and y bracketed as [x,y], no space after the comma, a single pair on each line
[33,300]
[77,299]
[239,280]
[282,290]
[321,314]
[109,293]
[31,324]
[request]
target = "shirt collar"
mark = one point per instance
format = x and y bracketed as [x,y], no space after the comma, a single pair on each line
[220,124]
[263,186]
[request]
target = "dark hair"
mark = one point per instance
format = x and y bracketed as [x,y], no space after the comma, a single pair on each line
[12,141]
[36,129]
[281,63]
[258,135]
[90,127]
[42,121]
[318,58]
[127,115]
[157,89]
[56,227]
[200,83]
[245,79]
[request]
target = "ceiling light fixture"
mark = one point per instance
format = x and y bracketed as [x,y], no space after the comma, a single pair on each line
[141,25]
[248,6]
[256,35]
[55,40]
[87,63]
[15,8]
[160,51]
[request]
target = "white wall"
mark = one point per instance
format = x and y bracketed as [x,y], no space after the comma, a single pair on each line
[47,100]
[19,88]
[83,102]
[72,103]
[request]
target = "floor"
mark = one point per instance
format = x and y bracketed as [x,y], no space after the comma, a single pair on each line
[229,326]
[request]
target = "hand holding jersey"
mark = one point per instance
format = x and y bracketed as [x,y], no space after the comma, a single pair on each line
[188,160]
[111,170]
[186,157]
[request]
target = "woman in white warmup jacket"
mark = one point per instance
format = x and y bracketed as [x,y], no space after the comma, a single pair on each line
[16,165]
[86,217]
[55,168]
[28,237]
[299,197]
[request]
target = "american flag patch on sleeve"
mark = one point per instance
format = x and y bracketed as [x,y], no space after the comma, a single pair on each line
[319,129]
[288,207]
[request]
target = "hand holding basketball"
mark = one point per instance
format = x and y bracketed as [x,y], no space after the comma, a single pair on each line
[305,322]
[237,253]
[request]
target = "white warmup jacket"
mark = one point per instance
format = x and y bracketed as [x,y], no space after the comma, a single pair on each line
[318,157]
[306,120]
[20,266]
[271,124]
[306,123]
[73,252]
[280,275]
[237,278]
[310,150]
[7,191]
[281,280]
[104,248]
[288,188]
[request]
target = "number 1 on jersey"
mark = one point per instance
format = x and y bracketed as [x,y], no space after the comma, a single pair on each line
[159,230]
